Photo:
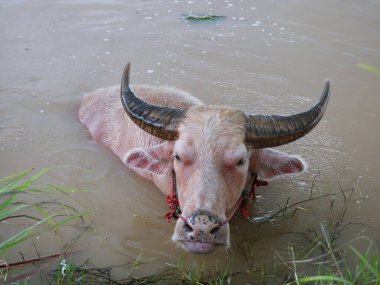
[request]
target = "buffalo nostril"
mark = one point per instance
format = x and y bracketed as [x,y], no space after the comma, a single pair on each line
[215,230]
[187,227]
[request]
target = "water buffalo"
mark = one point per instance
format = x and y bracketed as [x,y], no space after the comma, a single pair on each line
[205,154]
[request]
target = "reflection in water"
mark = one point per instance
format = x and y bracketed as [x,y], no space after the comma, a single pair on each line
[259,59]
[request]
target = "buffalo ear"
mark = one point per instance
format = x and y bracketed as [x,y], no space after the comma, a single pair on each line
[154,160]
[268,163]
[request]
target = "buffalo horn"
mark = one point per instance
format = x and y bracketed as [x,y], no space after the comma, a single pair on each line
[159,121]
[271,131]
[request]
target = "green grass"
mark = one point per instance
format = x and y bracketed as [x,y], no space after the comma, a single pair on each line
[338,272]
[366,271]
[179,273]
[16,191]
[326,262]
[333,266]
[70,273]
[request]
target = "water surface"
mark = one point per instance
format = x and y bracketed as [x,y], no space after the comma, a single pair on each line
[268,57]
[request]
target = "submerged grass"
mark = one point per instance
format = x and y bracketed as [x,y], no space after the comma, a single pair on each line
[365,269]
[330,260]
[330,263]
[13,206]
[179,273]
[365,272]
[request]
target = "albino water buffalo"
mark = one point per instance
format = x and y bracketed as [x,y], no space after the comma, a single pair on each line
[204,155]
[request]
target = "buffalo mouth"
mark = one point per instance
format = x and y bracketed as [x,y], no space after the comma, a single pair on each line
[200,247]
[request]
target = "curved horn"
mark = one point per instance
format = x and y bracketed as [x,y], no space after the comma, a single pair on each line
[159,121]
[271,131]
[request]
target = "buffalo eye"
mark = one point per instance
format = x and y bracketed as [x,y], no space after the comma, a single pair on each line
[177,158]
[241,162]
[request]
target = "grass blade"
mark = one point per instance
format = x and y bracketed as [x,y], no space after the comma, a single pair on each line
[363,259]
[369,68]
[324,278]
[4,214]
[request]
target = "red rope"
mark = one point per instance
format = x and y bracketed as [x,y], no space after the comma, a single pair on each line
[251,195]
[174,211]
[244,203]
[172,201]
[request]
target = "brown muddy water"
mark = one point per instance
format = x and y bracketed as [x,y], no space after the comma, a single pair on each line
[266,57]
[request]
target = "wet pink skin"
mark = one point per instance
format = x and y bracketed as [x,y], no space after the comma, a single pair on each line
[217,178]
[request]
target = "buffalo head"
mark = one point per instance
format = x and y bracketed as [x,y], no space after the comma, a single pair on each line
[212,151]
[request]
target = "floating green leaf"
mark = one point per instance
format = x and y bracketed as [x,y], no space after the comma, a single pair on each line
[206,17]
[369,68]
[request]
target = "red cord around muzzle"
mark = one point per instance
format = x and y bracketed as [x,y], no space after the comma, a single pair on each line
[248,195]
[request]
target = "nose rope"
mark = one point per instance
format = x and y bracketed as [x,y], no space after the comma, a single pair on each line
[248,194]
[173,203]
